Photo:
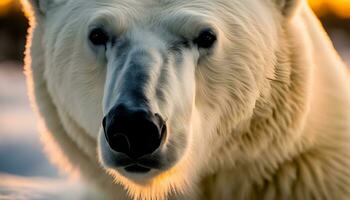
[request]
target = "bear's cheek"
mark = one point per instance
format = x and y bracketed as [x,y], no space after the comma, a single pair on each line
[79,98]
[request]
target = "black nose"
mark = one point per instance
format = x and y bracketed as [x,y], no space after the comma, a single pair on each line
[135,132]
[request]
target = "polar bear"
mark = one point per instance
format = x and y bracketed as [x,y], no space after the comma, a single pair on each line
[200,99]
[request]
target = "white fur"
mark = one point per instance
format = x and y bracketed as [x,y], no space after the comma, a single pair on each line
[262,115]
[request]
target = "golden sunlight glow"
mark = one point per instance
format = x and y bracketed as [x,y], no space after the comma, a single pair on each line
[339,7]
[4,3]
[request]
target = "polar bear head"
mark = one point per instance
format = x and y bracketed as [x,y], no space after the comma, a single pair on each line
[162,86]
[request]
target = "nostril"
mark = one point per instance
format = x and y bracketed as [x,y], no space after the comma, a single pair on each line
[163,132]
[161,125]
[104,125]
[119,142]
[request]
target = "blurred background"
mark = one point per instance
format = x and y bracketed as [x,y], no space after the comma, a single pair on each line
[24,168]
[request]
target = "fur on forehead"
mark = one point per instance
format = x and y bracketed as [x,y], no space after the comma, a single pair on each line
[41,7]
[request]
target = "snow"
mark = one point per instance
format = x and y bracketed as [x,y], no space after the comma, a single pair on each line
[21,188]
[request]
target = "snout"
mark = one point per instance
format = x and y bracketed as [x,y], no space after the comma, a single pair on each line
[135,141]
[134,132]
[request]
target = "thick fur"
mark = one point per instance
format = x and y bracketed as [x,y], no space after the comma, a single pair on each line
[269,105]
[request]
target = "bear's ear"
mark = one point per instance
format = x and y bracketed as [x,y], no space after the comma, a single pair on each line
[41,7]
[287,7]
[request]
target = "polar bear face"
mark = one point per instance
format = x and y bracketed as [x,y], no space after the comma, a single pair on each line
[158,84]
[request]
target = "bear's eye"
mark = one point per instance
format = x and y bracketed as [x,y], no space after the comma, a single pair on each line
[98,37]
[205,39]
